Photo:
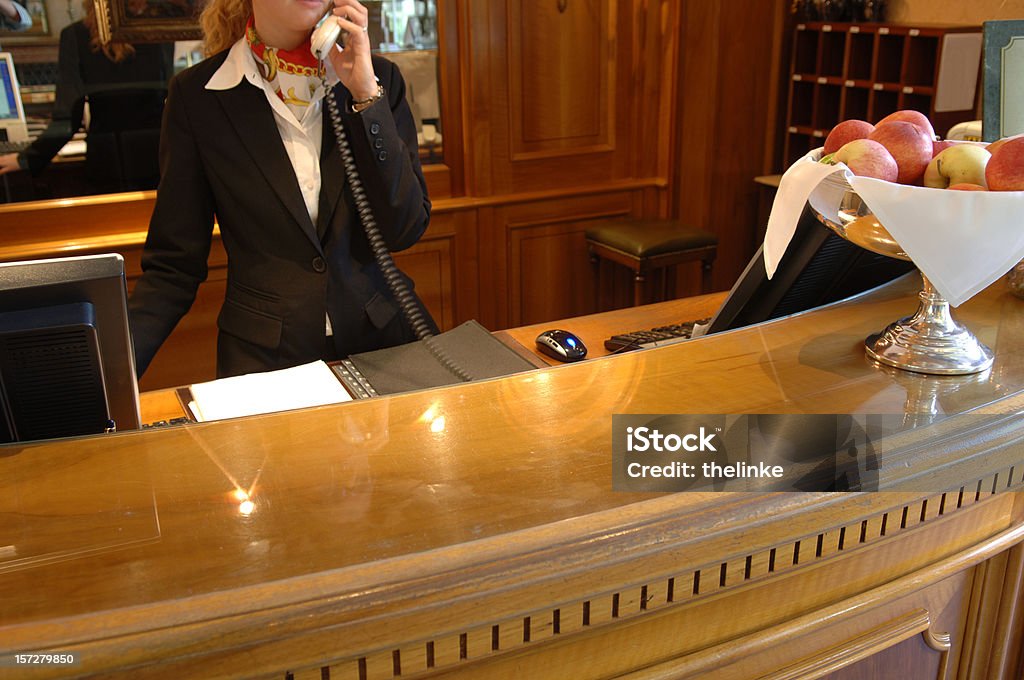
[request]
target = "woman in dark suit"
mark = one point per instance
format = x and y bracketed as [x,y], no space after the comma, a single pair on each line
[125,86]
[246,140]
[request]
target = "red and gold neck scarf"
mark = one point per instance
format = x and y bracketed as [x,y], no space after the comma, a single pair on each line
[293,74]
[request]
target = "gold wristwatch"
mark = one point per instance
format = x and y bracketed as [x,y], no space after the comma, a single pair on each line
[363,104]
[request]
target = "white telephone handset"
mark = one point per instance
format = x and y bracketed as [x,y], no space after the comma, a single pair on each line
[325,35]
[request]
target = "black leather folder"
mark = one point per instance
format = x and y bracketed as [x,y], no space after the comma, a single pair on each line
[468,352]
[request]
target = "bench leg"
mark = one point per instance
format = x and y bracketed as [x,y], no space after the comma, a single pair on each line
[668,283]
[639,289]
[705,275]
[595,265]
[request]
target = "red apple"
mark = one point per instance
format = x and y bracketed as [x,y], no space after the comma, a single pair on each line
[999,142]
[966,186]
[910,145]
[960,163]
[911,116]
[1005,172]
[847,131]
[940,146]
[867,158]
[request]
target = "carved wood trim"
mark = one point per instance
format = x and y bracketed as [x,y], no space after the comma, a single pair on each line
[642,598]
[871,642]
[1008,655]
[994,645]
[941,643]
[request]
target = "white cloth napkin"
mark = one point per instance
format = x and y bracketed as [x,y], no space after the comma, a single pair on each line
[962,241]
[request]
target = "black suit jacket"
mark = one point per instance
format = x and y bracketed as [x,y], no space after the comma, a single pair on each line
[126,102]
[221,154]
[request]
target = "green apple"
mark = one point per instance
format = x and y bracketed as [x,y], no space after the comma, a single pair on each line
[958,164]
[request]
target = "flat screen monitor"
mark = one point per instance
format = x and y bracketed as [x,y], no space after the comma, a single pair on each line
[12,114]
[819,267]
[66,362]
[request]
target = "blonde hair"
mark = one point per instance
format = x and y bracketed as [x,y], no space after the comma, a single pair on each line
[223,23]
[115,50]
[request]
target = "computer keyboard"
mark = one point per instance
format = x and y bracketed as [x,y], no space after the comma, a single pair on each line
[13,147]
[653,337]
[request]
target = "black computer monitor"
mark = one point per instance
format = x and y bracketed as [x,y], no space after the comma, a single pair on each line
[819,267]
[66,361]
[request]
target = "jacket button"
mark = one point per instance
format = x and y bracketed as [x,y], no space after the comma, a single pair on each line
[319,266]
[382,156]
[374,128]
[378,143]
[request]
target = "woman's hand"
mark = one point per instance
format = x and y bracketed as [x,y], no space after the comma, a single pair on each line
[9,163]
[352,64]
[8,10]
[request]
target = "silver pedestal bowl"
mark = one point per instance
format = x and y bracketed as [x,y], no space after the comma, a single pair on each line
[930,341]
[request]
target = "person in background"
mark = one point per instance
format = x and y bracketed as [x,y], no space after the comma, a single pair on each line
[246,140]
[14,17]
[125,87]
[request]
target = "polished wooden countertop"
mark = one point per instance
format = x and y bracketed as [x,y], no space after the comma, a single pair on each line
[164,405]
[595,328]
[228,526]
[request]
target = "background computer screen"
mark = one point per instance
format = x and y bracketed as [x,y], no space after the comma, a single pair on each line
[9,109]
[66,361]
[819,267]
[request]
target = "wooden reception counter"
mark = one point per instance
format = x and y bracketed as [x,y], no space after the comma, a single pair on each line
[472,531]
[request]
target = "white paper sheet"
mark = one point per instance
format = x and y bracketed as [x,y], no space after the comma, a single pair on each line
[958,72]
[290,388]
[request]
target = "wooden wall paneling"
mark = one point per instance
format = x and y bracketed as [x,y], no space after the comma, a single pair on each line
[724,95]
[648,97]
[561,78]
[1009,654]
[450,90]
[466,293]
[740,134]
[439,180]
[994,644]
[481,36]
[550,275]
[553,115]
[778,89]
[547,281]
[492,283]
[447,179]
[694,142]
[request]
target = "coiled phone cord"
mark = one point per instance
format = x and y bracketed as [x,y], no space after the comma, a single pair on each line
[412,311]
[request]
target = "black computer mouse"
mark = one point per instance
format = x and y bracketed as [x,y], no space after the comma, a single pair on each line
[561,345]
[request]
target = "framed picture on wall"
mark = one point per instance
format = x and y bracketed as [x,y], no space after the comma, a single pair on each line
[1003,105]
[149,20]
[40,23]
